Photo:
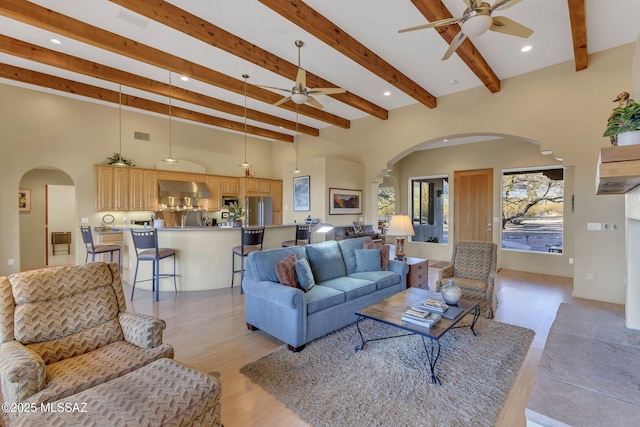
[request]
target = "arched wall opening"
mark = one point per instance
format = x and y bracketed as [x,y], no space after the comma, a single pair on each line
[52,208]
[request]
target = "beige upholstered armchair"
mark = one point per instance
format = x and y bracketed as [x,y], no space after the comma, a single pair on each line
[473,269]
[65,329]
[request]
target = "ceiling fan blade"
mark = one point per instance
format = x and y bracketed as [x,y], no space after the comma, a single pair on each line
[273,87]
[440,23]
[301,78]
[282,101]
[502,24]
[455,44]
[326,90]
[504,4]
[312,101]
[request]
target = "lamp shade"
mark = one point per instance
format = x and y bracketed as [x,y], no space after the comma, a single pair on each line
[400,225]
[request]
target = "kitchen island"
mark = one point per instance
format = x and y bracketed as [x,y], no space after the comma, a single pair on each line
[203,255]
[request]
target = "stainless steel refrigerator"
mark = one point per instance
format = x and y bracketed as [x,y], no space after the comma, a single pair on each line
[259,211]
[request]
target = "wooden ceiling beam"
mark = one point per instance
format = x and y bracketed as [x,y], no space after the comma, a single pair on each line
[434,11]
[578,18]
[32,14]
[50,57]
[194,26]
[76,88]
[320,27]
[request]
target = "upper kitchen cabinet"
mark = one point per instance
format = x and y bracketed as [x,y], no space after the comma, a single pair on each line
[229,186]
[256,187]
[143,190]
[215,196]
[112,188]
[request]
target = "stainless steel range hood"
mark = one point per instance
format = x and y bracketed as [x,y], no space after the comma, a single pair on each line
[197,190]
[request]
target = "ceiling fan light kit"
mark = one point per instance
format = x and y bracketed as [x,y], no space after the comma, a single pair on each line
[300,94]
[476,20]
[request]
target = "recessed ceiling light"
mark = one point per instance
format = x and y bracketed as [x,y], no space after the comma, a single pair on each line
[526,48]
[56,41]
[445,140]
[387,93]
[184,78]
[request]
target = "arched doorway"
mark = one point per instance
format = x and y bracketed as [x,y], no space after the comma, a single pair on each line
[51,208]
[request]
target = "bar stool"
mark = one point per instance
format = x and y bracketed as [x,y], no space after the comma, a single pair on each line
[146,247]
[303,236]
[92,249]
[250,241]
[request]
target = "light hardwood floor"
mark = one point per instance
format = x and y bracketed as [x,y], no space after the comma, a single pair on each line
[208,332]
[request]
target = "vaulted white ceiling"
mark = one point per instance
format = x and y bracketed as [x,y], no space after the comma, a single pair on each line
[371,23]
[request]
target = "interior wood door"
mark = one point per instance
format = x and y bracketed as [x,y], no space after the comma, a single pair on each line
[473,205]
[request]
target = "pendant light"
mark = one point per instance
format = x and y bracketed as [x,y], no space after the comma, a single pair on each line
[120,162]
[245,164]
[170,159]
[297,169]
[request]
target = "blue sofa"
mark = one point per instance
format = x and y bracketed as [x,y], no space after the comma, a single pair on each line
[298,317]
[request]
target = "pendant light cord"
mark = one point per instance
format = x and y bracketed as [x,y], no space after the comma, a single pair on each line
[245,164]
[170,127]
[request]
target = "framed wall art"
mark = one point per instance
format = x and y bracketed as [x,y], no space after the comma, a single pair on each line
[24,200]
[345,202]
[301,193]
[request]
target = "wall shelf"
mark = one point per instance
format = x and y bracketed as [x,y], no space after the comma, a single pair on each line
[618,169]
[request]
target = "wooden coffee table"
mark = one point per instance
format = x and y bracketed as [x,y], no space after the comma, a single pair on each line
[389,311]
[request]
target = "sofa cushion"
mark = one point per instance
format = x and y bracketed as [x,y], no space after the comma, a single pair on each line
[352,287]
[384,252]
[347,248]
[262,264]
[305,275]
[286,271]
[383,279]
[321,297]
[367,260]
[326,260]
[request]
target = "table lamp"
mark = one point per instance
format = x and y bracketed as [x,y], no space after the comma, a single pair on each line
[400,226]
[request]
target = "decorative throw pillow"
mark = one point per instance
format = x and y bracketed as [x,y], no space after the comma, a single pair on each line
[286,271]
[305,275]
[384,253]
[367,260]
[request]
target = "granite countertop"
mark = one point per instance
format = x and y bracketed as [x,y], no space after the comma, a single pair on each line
[115,230]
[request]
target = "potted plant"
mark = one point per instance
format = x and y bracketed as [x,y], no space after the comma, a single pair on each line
[118,160]
[236,213]
[623,125]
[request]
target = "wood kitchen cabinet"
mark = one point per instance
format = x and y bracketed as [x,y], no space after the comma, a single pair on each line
[215,197]
[229,186]
[143,190]
[256,187]
[276,201]
[112,188]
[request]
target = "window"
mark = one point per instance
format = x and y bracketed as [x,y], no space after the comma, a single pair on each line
[532,210]
[430,209]
[386,202]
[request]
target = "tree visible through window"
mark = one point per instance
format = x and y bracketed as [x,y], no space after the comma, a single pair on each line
[386,202]
[532,210]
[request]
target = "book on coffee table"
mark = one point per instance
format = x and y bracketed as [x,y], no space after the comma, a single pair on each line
[422,318]
[434,306]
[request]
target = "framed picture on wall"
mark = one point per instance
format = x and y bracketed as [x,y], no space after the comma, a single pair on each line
[301,193]
[24,200]
[345,202]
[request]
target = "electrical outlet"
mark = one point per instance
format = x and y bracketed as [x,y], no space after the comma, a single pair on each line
[10,261]
[591,276]
[84,220]
[570,260]
[594,226]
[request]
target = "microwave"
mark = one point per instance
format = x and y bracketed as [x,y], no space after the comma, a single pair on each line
[227,200]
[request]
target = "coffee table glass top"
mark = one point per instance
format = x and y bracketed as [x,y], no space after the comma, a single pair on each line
[390,310]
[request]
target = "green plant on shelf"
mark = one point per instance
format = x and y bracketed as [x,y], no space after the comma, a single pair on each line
[118,159]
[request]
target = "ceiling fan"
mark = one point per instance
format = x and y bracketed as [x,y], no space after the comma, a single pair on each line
[476,20]
[300,93]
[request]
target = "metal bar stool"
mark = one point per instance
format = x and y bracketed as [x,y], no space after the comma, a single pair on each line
[250,241]
[145,243]
[92,249]
[303,236]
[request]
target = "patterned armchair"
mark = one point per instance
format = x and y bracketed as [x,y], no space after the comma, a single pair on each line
[65,329]
[473,269]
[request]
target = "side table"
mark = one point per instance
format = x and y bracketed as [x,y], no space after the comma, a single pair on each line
[418,276]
